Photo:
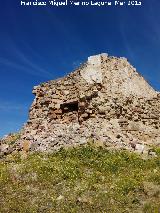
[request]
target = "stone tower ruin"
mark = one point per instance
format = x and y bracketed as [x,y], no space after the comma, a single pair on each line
[105,100]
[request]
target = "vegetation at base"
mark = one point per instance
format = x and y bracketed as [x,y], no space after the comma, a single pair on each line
[82,179]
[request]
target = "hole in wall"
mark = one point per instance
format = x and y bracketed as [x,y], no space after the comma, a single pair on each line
[69,107]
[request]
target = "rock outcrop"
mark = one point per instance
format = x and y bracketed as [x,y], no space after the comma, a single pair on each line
[104,100]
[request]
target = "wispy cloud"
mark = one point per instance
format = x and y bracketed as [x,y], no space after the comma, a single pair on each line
[126,41]
[32,70]
[10,106]
[22,62]
[36,69]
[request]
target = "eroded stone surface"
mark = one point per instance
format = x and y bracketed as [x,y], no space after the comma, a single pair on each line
[105,100]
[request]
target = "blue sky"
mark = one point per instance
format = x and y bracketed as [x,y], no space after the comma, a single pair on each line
[40,44]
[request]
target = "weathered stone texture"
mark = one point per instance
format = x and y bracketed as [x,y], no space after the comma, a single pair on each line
[105,100]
